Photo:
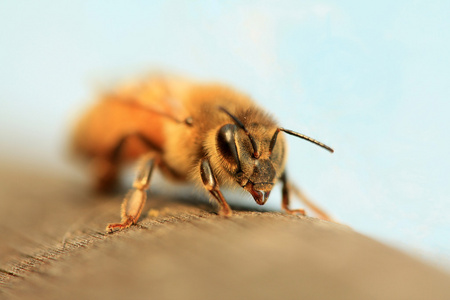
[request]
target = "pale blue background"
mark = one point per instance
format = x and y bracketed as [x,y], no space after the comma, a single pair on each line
[370,78]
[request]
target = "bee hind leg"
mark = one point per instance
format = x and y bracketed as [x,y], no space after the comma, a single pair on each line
[135,199]
[210,183]
[286,199]
[105,173]
[106,167]
[285,205]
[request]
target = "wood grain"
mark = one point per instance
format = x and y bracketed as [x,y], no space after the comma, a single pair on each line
[53,246]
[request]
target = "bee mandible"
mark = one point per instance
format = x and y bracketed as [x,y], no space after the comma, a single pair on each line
[203,133]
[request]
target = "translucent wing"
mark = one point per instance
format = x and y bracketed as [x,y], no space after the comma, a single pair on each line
[142,107]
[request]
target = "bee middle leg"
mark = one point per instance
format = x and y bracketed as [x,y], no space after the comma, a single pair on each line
[286,199]
[135,199]
[210,183]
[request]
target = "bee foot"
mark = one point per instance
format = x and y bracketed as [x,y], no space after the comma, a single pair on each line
[119,226]
[225,213]
[295,212]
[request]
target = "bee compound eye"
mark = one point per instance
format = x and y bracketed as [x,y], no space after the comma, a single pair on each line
[226,144]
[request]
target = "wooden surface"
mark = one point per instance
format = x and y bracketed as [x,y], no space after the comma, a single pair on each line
[53,246]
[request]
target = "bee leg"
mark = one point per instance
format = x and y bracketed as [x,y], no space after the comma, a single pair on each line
[316,209]
[105,173]
[286,199]
[210,183]
[107,167]
[135,199]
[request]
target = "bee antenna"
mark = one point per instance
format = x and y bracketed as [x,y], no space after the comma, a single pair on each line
[256,153]
[302,136]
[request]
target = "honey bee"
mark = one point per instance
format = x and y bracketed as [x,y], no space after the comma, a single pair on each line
[203,133]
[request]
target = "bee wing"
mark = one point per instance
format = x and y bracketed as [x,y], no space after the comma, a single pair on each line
[138,108]
[160,95]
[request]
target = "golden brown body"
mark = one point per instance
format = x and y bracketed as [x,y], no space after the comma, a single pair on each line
[204,133]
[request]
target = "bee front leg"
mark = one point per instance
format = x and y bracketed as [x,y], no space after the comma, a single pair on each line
[135,199]
[286,198]
[210,183]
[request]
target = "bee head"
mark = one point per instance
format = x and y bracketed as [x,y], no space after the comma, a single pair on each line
[249,157]
[255,156]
